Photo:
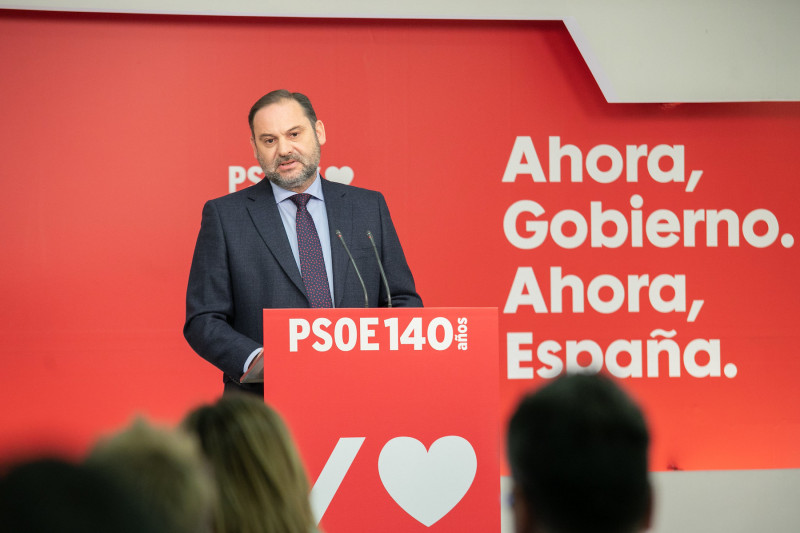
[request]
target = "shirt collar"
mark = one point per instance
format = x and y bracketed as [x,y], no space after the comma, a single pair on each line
[315,190]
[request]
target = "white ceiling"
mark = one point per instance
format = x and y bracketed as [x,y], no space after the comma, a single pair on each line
[637,50]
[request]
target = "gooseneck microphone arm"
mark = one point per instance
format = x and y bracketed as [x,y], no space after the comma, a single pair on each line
[353,262]
[380,266]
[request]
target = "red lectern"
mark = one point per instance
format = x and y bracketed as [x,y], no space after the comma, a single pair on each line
[395,412]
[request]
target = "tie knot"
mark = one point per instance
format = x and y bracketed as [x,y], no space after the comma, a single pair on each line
[300,199]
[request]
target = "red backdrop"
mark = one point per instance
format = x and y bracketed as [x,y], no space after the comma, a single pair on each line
[115,129]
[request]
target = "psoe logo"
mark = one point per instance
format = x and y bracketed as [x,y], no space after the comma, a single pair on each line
[238,175]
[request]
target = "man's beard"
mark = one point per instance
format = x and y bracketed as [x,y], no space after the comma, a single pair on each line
[307,172]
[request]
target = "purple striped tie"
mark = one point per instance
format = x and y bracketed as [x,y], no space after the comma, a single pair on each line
[312,265]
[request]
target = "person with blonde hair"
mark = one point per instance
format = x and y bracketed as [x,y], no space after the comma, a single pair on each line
[261,481]
[166,468]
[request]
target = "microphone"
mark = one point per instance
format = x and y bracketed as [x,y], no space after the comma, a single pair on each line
[380,266]
[353,261]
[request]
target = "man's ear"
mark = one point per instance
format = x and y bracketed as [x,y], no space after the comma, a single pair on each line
[319,127]
[523,514]
[253,144]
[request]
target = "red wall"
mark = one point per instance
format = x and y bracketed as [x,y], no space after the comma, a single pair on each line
[115,129]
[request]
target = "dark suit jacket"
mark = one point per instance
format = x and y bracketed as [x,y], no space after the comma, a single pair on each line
[243,263]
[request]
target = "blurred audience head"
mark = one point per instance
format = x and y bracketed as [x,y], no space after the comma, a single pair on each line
[578,452]
[52,495]
[167,469]
[261,482]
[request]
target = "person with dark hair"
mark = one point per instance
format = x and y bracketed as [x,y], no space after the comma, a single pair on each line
[50,494]
[271,245]
[578,453]
[276,97]
[260,478]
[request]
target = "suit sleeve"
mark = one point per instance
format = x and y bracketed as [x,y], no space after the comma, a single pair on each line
[209,301]
[398,274]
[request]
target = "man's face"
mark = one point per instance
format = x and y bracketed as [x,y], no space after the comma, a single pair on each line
[287,145]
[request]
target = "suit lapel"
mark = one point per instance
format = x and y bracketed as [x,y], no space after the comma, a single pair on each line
[340,217]
[265,216]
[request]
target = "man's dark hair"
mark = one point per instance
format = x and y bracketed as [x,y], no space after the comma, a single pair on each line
[578,453]
[277,96]
[44,495]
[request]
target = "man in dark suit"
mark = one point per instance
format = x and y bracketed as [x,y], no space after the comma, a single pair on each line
[248,255]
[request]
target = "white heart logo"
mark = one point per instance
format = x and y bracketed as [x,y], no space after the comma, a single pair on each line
[339,174]
[427,484]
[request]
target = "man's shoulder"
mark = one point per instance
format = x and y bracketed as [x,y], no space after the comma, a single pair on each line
[262,189]
[332,187]
[243,195]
